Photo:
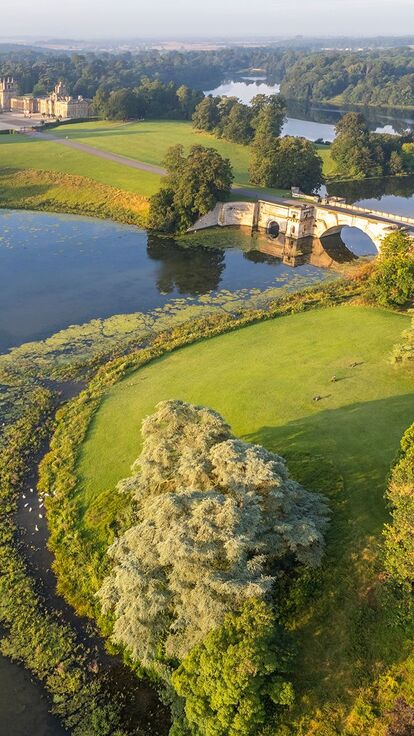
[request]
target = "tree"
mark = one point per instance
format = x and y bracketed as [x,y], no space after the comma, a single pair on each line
[262,169]
[285,162]
[237,125]
[407,155]
[273,107]
[353,151]
[162,215]
[215,520]
[399,536]
[100,102]
[122,105]
[392,280]
[235,680]
[206,115]
[193,186]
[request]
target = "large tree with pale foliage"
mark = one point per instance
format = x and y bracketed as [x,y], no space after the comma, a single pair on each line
[215,521]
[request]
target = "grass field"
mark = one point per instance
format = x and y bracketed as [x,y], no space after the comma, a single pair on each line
[58,192]
[149,141]
[20,152]
[143,141]
[263,380]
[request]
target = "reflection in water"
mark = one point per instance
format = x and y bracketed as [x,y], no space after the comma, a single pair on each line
[174,274]
[326,252]
[60,270]
[390,194]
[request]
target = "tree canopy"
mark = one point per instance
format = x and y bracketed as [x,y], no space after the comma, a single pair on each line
[236,679]
[215,522]
[392,280]
[194,184]
[399,538]
[284,162]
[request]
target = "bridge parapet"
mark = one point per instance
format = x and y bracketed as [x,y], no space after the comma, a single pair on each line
[378,213]
[301,220]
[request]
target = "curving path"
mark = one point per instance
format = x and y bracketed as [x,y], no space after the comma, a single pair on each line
[85,148]
[134,164]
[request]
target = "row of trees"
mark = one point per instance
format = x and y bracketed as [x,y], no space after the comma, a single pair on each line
[374,77]
[151,99]
[84,73]
[276,162]
[215,522]
[358,153]
[229,118]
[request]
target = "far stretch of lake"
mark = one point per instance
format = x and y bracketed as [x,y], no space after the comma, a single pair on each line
[314,121]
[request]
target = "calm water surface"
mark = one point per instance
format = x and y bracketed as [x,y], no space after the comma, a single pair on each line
[58,270]
[314,121]
[23,709]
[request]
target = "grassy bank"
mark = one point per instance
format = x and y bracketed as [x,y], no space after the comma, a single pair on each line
[356,427]
[58,192]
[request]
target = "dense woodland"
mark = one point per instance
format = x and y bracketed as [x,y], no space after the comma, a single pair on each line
[376,76]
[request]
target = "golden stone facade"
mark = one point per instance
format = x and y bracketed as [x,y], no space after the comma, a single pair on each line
[59,104]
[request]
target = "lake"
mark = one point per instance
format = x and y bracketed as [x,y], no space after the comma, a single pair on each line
[58,270]
[314,121]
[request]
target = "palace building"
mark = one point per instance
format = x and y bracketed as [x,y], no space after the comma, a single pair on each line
[59,104]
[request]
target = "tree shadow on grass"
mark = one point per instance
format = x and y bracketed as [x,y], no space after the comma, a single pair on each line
[358,442]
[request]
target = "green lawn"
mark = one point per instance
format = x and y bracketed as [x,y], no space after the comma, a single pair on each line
[263,379]
[143,141]
[149,141]
[21,152]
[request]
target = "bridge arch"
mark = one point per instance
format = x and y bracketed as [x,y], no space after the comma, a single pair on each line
[328,222]
[347,243]
[273,228]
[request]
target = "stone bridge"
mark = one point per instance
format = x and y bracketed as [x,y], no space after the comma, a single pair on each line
[304,219]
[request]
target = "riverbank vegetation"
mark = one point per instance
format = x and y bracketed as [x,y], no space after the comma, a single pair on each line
[381,77]
[357,153]
[391,282]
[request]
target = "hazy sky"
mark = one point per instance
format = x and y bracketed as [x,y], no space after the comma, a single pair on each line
[168,18]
